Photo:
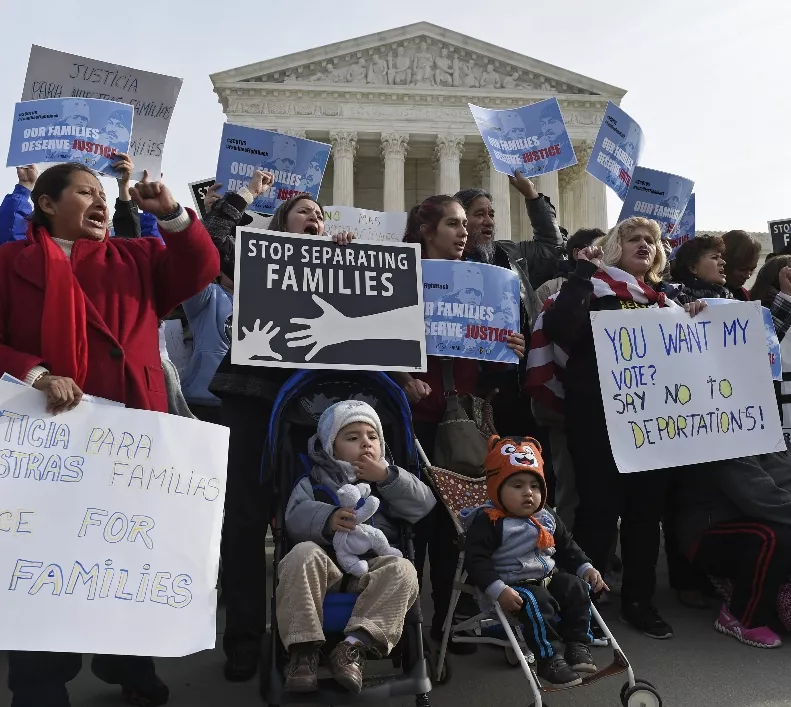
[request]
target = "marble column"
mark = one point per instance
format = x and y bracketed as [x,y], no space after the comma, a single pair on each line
[500,189]
[547,184]
[394,148]
[448,155]
[482,171]
[344,145]
[567,181]
[594,194]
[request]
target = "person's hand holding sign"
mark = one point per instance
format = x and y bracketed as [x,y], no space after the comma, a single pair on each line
[516,342]
[211,197]
[593,254]
[124,166]
[63,394]
[523,185]
[258,342]
[260,183]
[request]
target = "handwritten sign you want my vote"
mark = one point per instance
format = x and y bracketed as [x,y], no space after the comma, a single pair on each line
[680,390]
[365,224]
[110,523]
[302,301]
[54,74]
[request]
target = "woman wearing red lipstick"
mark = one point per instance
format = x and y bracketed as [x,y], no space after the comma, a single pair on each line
[79,312]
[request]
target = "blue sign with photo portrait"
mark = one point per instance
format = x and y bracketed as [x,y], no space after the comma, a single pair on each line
[470,309]
[90,131]
[296,164]
[685,228]
[657,195]
[616,151]
[532,138]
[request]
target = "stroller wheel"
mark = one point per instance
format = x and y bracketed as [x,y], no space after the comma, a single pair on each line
[637,681]
[511,657]
[642,695]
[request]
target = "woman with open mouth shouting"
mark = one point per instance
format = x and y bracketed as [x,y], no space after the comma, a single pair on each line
[247,394]
[80,314]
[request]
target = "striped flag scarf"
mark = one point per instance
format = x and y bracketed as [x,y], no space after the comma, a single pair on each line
[546,360]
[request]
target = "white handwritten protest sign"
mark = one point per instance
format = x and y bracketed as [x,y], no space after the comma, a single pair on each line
[364,224]
[679,390]
[53,74]
[110,524]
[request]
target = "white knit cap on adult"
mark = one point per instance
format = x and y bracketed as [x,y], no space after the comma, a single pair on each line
[337,416]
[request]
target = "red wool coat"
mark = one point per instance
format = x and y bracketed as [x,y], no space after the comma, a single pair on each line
[129,286]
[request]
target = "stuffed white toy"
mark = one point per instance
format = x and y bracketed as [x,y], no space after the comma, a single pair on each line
[349,544]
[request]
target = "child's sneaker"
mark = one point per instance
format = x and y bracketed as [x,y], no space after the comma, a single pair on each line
[579,658]
[760,637]
[556,672]
[346,665]
[301,672]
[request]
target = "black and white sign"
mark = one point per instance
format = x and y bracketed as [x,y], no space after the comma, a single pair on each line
[781,234]
[198,192]
[301,301]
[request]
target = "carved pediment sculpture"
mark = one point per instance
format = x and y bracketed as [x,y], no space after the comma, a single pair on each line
[421,62]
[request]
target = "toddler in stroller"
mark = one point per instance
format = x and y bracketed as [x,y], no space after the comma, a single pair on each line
[348,448]
[520,554]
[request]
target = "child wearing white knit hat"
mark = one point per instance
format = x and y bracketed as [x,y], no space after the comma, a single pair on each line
[348,448]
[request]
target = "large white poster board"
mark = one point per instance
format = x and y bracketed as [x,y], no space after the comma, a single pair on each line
[110,523]
[54,74]
[366,225]
[679,390]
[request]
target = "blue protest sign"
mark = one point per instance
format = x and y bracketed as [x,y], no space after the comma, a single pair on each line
[470,309]
[297,165]
[616,151]
[532,138]
[685,228]
[657,195]
[86,130]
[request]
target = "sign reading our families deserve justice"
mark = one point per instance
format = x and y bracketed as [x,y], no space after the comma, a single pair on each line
[301,301]
[470,310]
[365,224]
[532,138]
[657,195]
[685,228]
[683,390]
[110,523]
[296,164]
[85,130]
[616,151]
[53,74]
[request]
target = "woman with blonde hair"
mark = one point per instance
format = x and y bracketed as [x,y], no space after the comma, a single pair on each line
[620,271]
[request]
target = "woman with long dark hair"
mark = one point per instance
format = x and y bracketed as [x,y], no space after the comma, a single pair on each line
[247,394]
[79,314]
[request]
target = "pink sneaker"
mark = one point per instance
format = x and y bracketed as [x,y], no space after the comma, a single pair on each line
[759,637]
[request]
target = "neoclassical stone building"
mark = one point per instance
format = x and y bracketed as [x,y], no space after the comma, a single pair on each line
[394,107]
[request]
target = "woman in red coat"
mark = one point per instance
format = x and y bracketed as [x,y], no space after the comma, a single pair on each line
[79,312]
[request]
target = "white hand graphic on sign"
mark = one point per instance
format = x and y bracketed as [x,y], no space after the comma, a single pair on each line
[332,327]
[258,342]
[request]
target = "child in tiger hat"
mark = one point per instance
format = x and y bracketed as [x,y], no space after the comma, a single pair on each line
[520,554]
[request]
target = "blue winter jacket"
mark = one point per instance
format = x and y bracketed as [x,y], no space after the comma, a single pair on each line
[14,210]
[207,313]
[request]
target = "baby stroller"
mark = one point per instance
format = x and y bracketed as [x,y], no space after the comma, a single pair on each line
[498,629]
[301,401]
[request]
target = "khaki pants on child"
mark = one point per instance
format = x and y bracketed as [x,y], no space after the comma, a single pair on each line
[307,573]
